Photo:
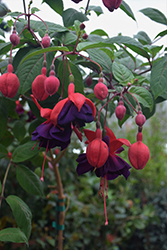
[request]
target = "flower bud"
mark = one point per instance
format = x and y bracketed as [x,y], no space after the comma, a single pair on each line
[120,110]
[38,89]
[138,153]
[82,26]
[14,38]
[46,41]
[57,151]
[51,84]
[9,83]
[89,80]
[85,36]
[112,4]
[101,91]
[97,153]
[140,119]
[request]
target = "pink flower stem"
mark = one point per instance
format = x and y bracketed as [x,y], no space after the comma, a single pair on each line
[98,118]
[62,89]
[87,58]
[44,161]
[105,210]
[135,100]
[42,21]
[129,103]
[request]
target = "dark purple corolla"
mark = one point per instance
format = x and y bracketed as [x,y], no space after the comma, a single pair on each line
[112,4]
[50,136]
[114,165]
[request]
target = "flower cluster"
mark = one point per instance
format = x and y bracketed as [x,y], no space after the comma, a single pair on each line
[68,115]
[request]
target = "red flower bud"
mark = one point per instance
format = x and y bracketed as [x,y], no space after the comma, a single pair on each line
[14,38]
[101,91]
[82,26]
[120,110]
[57,150]
[138,153]
[46,41]
[140,119]
[97,153]
[85,36]
[38,89]
[51,84]
[9,83]
[89,80]
[112,4]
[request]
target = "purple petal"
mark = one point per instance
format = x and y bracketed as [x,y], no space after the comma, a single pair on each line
[63,134]
[44,130]
[83,166]
[118,151]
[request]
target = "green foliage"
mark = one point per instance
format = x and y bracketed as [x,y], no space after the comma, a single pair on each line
[134,67]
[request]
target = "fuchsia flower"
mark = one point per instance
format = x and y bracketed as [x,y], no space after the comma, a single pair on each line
[48,135]
[112,4]
[67,115]
[76,109]
[114,165]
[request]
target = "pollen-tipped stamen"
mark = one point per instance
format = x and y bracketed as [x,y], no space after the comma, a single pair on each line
[105,210]
[42,179]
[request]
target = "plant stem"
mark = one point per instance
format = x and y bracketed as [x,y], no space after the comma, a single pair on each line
[4,182]
[61,201]
[87,6]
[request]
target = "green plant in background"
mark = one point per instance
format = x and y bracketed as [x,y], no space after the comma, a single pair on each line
[48,97]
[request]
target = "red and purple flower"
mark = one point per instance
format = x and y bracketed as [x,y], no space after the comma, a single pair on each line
[112,168]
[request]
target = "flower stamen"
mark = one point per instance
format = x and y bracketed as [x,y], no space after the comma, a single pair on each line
[42,179]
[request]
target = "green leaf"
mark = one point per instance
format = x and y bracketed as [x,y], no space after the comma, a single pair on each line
[3,116]
[66,38]
[21,213]
[70,15]
[127,41]
[97,9]
[55,5]
[24,152]
[13,235]
[29,181]
[125,7]
[162,33]
[77,77]
[121,73]
[155,15]
[3,151]
[42,51]
[7,139]
[101,58]
[19,130]
[158,77]
[29,69]
[34,9]
[143,37]
[131,43]
[99,32]
[143,96]
[139,224]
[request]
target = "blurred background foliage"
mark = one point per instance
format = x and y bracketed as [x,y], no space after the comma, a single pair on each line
[136,207]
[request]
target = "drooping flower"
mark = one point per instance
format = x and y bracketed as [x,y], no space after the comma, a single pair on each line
[114,165]
[9,83]
[76,110]
[112,4]
[139,153]
[48,135]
